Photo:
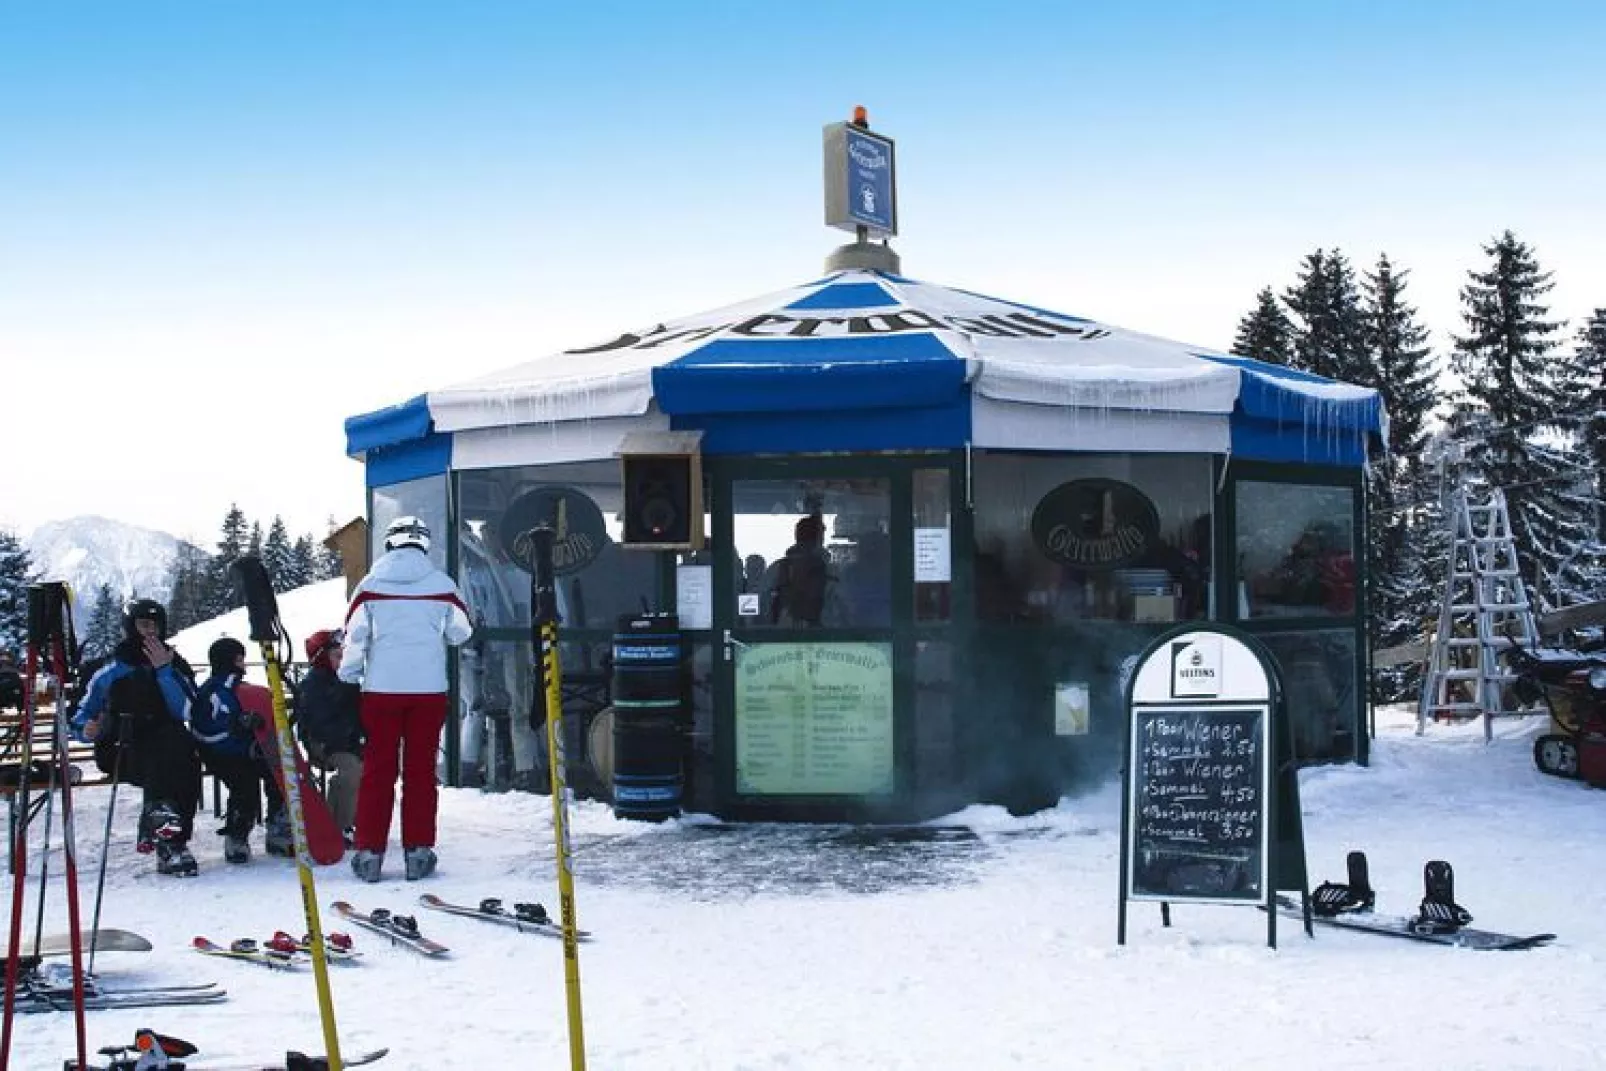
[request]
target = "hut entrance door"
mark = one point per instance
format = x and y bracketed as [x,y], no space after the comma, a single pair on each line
[807,619]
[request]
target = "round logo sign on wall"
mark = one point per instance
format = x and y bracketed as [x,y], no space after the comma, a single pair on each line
[579,530]
[1095,524]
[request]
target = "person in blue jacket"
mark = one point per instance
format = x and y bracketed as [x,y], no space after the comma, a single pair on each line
[136,701]
[229,751]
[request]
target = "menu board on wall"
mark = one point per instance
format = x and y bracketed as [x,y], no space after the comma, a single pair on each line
[814,719]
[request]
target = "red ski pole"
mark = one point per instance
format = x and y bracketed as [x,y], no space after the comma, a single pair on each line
[58,611]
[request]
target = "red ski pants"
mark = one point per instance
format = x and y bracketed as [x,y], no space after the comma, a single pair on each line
[403,731]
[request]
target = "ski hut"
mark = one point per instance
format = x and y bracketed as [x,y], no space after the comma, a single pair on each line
[931,530]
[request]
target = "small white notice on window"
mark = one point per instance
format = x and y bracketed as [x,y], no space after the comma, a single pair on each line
[1071,713]
[694,596]
[932,565]
[747,604]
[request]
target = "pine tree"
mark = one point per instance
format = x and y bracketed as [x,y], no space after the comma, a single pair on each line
[233,541]
[189,588]
[104,628]
[254,544]
[277,556]
[330,564]
[305,560]
[1405,532]
[1506,362]
[1590,362]
[1330,327]
[1266,333]
[15,574]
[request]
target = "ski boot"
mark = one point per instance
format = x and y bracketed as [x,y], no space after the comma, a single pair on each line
[535,913]
[236,849]
[420,862]
[1331,898]
[367,865]
[158,823]
[173,858]
[278,838]
[1439,912]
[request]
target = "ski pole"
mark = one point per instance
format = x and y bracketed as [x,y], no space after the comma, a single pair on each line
[266,629]
[19,855]
[106,838]
[44,849]
[544,603]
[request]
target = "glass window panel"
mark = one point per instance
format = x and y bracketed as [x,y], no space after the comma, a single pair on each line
[598,579]
[1318,672]
[1117,537]
[1296,550]
[423,498]
[814,553]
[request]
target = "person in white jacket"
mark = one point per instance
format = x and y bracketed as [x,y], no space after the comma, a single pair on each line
[403,616]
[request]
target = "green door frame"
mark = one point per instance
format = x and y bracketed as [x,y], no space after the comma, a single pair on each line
[903,632]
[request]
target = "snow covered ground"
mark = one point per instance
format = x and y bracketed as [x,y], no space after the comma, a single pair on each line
[810,948]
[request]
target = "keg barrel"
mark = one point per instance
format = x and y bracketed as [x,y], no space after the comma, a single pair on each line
[649,703]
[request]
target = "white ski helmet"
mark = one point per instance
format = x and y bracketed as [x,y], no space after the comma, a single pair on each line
[407,532]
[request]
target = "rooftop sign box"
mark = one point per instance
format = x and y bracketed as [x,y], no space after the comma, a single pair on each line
[861,188]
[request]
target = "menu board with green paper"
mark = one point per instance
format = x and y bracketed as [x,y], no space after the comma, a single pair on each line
[814,719]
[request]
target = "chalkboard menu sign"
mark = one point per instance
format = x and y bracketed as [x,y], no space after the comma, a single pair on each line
[814,719]
[1199,791]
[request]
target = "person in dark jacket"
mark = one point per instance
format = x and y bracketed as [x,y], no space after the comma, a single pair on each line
[229,751]
[10,682]
[330,727]
[137,700]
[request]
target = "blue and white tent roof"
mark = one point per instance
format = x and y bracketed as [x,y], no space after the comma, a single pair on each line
[868,360]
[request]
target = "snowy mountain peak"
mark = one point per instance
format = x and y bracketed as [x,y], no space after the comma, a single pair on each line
[90,551]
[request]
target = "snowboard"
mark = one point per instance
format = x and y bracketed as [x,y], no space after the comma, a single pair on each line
[325,841]
[60,944]
[1403,926]
[417,942]
[549,928]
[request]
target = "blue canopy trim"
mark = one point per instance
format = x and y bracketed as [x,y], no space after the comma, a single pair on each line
[1264,440]
[901,371]
[388,427]
[933,427]
[1262,396]
[429,456]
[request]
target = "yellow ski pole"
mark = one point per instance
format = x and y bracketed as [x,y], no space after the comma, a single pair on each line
[263,610]
[544,600]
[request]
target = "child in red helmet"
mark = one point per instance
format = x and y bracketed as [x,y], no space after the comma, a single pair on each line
[331,730]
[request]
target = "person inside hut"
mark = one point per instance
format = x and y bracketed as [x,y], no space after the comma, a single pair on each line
[802,577]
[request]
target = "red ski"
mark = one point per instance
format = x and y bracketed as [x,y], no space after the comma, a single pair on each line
[324,839]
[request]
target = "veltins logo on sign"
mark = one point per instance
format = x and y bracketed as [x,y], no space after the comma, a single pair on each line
[870,178]
[1095,524]
[1196,668]
[579,530]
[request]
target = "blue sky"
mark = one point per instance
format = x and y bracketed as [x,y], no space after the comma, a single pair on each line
[225,227]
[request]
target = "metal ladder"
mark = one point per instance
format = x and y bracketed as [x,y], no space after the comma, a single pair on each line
[1485,610]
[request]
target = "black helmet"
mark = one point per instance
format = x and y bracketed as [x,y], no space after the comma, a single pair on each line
[223,653]
[144,610]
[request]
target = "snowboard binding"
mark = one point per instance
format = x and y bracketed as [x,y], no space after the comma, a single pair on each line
[1356,896]
[1439,912]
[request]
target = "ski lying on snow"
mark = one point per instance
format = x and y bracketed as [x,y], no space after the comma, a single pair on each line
[30,1002]
[548,928]
[384,922]
[128,1060]
[93,987]
[254,954]
[1401,926]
